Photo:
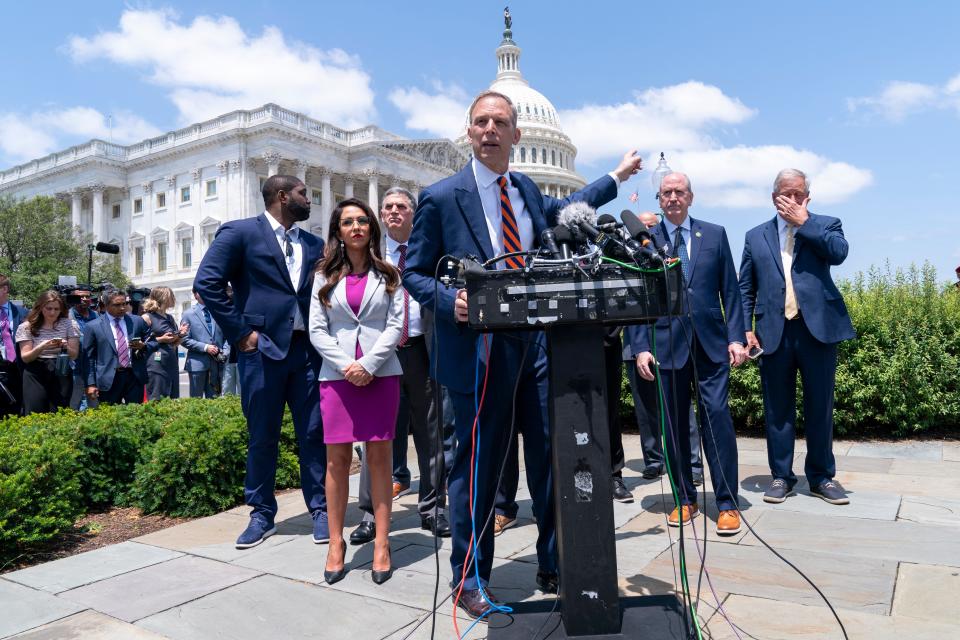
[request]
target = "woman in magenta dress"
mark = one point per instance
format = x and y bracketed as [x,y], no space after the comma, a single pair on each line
[356,318]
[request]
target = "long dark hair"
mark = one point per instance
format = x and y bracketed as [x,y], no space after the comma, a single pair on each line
[35,317]
[335,264]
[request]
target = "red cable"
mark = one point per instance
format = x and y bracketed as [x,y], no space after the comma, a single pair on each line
[473,451]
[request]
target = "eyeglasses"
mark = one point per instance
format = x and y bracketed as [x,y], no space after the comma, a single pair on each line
[363,221]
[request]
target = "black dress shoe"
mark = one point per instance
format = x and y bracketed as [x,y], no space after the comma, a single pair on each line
[697,479]
[474,604]
[364,533]
[548,581]
[652,471]
[332,577]
[379,577]
[439,527]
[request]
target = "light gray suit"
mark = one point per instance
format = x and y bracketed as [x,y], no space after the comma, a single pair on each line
[335,330]
[204,370]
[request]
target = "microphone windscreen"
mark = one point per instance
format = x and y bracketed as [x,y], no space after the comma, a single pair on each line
[575,213]
[635,228]
[563,235]
[605,218]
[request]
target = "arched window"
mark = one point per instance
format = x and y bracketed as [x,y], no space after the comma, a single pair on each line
[523,154]
[544,156]
[553,157]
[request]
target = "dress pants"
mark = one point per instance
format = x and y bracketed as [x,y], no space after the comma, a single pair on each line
[817,363]
[204,384]
[126,388]
[43,390]
[266,386]
[506,361]
[719,439]
[416,395]
[647,411]
[613,363]
[11,398]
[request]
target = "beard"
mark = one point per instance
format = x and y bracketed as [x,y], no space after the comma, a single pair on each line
[300,212]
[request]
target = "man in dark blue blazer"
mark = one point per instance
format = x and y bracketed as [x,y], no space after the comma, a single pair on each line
[115,350]
[697,347]
[204,343]
[474,213]
[800,317]
[270,261]
[11,315]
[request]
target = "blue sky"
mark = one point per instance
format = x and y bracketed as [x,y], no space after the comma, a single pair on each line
[866,98]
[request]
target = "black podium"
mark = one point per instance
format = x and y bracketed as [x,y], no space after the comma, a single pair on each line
[572,307]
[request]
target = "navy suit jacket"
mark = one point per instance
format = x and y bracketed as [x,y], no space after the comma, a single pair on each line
[450,220]
[818,245]
[246,254]
[99,364]
[198,338]
[712,280]
[17,315]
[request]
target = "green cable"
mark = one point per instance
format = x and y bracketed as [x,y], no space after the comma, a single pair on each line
[684,581]
[634,268]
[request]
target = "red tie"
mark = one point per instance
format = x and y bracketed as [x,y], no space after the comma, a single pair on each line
[123,352]
[401,265]
[511,232]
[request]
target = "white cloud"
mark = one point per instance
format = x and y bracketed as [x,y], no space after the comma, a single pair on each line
[683,121]
[442,113]
[212,66]
[28,136]
[900,99]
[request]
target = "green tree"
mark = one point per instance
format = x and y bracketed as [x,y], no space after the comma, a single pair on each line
[39,243]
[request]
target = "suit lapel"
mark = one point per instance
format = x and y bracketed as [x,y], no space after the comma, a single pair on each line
[373,284]
[468,197]
[308,242]
[696,241]
[273,247]
[340,296]
[533,204]
[771,234]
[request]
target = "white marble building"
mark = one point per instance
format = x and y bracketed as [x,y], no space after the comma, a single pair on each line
[161,200]
[544,153]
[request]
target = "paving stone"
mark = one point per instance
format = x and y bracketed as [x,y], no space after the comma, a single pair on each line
[873,505]
[899,484]
[930,511]
[88,625]
[851,582]
[518,538]
[289,504]
[898,540]
[272,607]
[912,449]
[926,592]
[951,451]
[25,608]
[936,469]
[854,463]
[91,566]
[654,522]
[772,620]
[143,592]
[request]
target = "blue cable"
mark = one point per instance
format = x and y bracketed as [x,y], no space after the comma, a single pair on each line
[473,520]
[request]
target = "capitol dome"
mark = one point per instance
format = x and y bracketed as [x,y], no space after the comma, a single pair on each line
[545,153]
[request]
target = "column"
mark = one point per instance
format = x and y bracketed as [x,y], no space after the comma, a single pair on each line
[148,204]
[373,189]
[96,193]
[76,202]
[197,198]
[254,197]
[272,158]
[223,188]
[326,199]
[172,203]
[301,166]
[347,187]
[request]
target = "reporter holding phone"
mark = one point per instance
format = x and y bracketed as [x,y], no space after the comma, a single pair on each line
[163,367]
[48,341]
[786,286]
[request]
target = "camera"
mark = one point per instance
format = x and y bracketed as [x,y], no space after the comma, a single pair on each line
[221,357]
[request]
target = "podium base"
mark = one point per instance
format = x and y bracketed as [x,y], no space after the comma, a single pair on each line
[644,618]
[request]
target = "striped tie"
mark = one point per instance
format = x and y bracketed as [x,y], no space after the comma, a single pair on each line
[511,232]
[401,265]
[681,247]
[123,351]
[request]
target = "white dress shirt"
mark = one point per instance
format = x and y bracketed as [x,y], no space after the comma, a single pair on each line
[672,233]
[490,199]
[414,323]
[782,233]
[294,262]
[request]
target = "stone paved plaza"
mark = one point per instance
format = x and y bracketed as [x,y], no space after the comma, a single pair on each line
[889,562]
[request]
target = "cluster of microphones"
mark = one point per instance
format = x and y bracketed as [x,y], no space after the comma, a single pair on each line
[579,227]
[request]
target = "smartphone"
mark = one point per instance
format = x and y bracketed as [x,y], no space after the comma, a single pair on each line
[754,352]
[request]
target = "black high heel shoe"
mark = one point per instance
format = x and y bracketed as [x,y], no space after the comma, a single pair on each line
[379,577]
[332,577]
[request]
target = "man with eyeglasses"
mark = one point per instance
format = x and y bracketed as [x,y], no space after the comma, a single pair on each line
[800,318]
[416,393]
[269,261]
[82,314]
[696,348]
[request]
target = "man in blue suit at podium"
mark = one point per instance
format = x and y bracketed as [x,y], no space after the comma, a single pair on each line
[800,317]
[486,210]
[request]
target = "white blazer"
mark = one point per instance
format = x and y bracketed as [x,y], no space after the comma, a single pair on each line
[334,330]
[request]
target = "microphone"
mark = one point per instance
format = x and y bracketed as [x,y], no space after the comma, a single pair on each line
[579,217]
[548,239]
[564,240]
[641,239]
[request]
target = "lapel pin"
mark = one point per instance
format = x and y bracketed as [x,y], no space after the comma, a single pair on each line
[698,234]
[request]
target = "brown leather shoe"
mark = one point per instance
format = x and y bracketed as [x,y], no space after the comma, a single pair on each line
[689,511]
[502,523]
[400,490]
[474,604]
[728,523]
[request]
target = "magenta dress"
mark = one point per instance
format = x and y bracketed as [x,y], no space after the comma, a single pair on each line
[359,414]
